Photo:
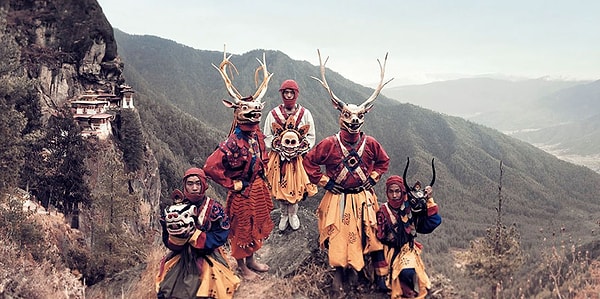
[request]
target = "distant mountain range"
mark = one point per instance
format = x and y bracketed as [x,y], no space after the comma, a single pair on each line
[562,117]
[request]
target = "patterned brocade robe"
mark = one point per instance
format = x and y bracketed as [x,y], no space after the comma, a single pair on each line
[216,277]
[397,230]
[347,221]
[239,165]
[288,179]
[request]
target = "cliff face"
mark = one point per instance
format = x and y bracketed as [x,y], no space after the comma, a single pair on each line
[68,47]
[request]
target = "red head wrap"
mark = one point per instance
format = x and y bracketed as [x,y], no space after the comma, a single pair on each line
[289,84]
[202,176]
[396,179]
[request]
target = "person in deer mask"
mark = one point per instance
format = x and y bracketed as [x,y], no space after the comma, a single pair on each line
[353,163]
[239,165]
[196,229]
[289,133]
[397,228]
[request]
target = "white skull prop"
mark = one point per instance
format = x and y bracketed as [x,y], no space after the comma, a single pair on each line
[290,141]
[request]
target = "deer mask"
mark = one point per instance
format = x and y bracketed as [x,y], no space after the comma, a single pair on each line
[352,117]
[247,110]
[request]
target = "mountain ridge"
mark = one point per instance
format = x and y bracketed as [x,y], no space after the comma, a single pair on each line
[536,185]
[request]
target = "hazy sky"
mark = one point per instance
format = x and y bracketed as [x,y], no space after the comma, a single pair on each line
[426,40]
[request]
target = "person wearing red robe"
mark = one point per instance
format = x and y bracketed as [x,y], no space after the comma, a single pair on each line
[238,164]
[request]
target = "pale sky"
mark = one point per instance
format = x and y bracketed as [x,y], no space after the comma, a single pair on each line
[426,40]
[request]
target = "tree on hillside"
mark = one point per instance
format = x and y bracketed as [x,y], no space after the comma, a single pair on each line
[114,248]
[498,255]
[130,138]
[64,178]
[11,146]
[12,122]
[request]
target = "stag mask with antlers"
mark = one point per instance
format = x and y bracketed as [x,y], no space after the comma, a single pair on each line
[247,110]
[352,116]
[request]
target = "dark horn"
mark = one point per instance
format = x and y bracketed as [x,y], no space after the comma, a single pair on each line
[404,175]
[433,169]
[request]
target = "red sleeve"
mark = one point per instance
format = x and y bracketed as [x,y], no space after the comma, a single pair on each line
[263,149]
[215,169]
[317,156]
[381,160]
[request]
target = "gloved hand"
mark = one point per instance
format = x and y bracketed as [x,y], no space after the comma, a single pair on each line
[244,185]
[369,183]
[333,187]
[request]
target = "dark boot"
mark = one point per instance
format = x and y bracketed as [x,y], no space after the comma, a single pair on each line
[338,278]
[380,284]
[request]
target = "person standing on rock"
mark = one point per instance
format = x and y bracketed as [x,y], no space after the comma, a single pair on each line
[239,165]
[354,162]
[289,133]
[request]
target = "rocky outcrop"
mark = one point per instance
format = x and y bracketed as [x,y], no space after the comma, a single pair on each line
[68,47]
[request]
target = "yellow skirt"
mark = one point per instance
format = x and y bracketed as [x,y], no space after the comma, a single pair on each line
[406,259]
[288,179]
[216,281]
[346,222]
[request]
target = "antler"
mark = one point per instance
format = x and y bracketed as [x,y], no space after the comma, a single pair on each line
[222,68]
[339,103]
[369,101]
[262,89]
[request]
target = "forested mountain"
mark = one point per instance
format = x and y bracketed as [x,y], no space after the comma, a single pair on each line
[50,57]
[538,188]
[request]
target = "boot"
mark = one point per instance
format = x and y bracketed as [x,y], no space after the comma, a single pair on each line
[380,285]
[337,284]
[294,220]
[283,221]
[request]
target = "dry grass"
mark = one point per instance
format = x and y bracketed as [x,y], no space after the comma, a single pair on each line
[22,276]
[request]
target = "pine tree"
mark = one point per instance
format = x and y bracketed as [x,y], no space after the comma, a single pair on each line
[131,139]
[64,181]
[113,245]
[12,122]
